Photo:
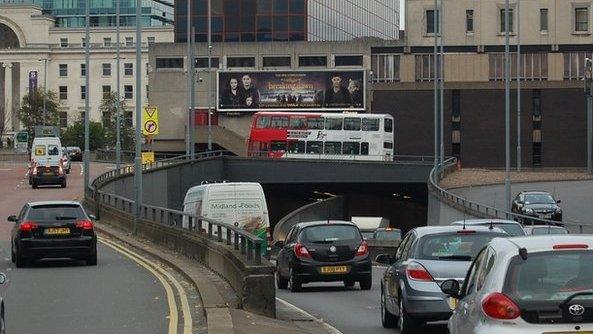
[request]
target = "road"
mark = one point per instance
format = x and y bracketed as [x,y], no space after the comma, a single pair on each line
[116,296]
[351,311]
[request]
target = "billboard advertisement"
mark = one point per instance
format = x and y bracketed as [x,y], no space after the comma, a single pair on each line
[33,80]
[327,90]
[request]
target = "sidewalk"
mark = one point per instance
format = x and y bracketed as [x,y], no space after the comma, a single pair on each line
[468,177]
[218,298]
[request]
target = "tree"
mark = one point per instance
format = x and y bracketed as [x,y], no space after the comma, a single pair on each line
[74,135]
[108,109]
[31,111]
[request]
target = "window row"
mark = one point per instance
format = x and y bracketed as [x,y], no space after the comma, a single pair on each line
[319,147]
[128,92]
[534,66]
[105,69]
[320,123]
[108,42]
[267,62]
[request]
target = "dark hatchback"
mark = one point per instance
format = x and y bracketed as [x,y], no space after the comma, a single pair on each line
[324,251]
[53,229]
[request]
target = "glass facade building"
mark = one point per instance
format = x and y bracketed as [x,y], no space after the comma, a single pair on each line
[71,13]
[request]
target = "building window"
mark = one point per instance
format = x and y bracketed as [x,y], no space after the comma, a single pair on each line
[83,92]
[313,61]
[63,92]
[106,91]
[543,20]
[425,67]
[581,19]
[277,61]
[107,42]
[430,21]
[63,119]
[107,70]
[534,66]
[82,70]
[151,40]
[63,70]
[63,42]
[163,63]
[240,62]
[128,92]
[202,62]
[129,41]
[502,20]
[129,69]
[385,68]
[348,60]
[469,20]
[574,65]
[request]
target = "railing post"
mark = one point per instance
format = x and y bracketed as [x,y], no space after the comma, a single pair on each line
[190,223]
[258,252]
[236,240]
[242,241]
[219,233]
[228,236]
[209,230]
[199,227]
[580,229]
[249,249]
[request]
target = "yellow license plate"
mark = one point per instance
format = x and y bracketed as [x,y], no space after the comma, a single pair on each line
[453,303]
[334,270]
[57,231]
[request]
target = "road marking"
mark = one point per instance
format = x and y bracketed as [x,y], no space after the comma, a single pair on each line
[329,328]
[157,271]
[81,169]
[5,169]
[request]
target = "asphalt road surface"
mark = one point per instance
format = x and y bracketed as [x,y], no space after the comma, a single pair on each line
[59,296]
[349,310]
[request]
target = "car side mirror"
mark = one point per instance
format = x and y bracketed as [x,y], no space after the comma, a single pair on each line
[451,288]
[384,259]
[12,218]
[558,201]
[279,244]
[93,217]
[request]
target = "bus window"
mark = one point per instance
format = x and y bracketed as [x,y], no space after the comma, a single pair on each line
[314,147]
[279,122]
[370,124]
[364,148]
[388,125]
[333,123]
[332,147]
[263,122]
[387,145]
[352,124]
[278,146]
[296,147]
[298,123]
[315,123]
[351,148]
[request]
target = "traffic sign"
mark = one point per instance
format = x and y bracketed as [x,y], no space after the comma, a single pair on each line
[147,157]
[150,121]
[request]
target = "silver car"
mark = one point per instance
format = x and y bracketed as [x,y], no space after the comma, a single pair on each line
[544,229]
[538,284]
[410,289]
[511,227]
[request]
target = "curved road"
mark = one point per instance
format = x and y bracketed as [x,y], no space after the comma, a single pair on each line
[116,296]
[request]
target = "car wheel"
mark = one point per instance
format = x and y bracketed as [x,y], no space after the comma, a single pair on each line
[63,184]
[281,282]
[34,184]
[92,260]
[407,324]
[388,320]
[366,283]
[349,283]
[295,283]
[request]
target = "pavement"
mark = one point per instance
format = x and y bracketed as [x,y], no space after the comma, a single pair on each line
[469,177]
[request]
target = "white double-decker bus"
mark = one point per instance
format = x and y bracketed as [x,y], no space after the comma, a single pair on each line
[346,136]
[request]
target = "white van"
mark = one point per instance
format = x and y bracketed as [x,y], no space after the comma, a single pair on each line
[242,204]
[46,163]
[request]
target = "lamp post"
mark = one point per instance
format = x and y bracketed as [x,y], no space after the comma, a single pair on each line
[189,67]
[507,107]
[44,60]
[138,156]
[519,85]
[589,94]
[442,85]
[209,76]
[118,106]
[436,86]
[87,43]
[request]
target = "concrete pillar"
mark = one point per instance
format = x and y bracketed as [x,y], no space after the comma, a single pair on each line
[8,112]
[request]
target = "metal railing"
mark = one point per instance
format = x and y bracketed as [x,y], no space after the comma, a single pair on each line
[479,209]
[397,159]
[128,155]
[247,244]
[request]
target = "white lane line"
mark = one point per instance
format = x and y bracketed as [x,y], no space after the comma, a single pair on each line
[81,169]
[5,169]
[329,328]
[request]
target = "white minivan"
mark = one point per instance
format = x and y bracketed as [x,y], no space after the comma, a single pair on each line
[46,163]
[242,204]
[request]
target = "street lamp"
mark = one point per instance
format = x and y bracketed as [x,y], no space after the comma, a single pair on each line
[589,94]
[44,60]
[507,107]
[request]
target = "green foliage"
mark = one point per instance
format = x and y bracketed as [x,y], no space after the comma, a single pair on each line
[108,109]
[74,135]
[31,110]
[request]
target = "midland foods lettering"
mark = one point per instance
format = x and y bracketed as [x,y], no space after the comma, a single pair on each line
[225,206]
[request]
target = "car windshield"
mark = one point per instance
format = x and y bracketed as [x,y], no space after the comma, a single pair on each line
[330,233]
[511,229]
[548,230]
[550,276]
[55,212]
[539,199]
[388,235]
[454,246]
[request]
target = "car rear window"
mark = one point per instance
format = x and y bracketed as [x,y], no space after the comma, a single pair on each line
[55,212]
[330,233]
[548,230]
[511,229]
[454,246]
[550,276]
[388,235]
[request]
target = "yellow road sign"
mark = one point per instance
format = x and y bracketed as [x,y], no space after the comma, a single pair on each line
[147,157]
[150,121]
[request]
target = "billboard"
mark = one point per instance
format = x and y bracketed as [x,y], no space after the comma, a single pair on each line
[327,90]
[33,80]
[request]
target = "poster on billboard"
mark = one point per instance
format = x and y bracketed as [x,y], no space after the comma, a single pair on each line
[327,90]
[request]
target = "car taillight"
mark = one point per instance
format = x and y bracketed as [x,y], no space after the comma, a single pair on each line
[570,246]
[269,235]
[84,224]
[417,272]
[28,226]
[498,306]
[301,251]
[363,249]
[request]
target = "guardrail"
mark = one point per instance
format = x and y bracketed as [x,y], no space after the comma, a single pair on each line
[127,156]
[479,209]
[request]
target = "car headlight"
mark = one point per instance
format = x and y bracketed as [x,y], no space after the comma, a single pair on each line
[558,210]
[528,211]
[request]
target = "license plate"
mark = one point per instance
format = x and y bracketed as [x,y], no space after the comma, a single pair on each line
[57,231]
[334,270]
[452,302]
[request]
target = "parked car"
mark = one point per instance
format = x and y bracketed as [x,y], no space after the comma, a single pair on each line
[53,229]
[410,288]
[66,162]
[511,227]
[539,204]
[543,229]
[74,152]
[323,251]
[45,164]
[526,285]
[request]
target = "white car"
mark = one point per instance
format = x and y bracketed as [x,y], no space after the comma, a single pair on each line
[538,284]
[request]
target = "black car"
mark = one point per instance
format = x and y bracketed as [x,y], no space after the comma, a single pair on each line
[53,229]
[323,251]
[539,204]
[74,152]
